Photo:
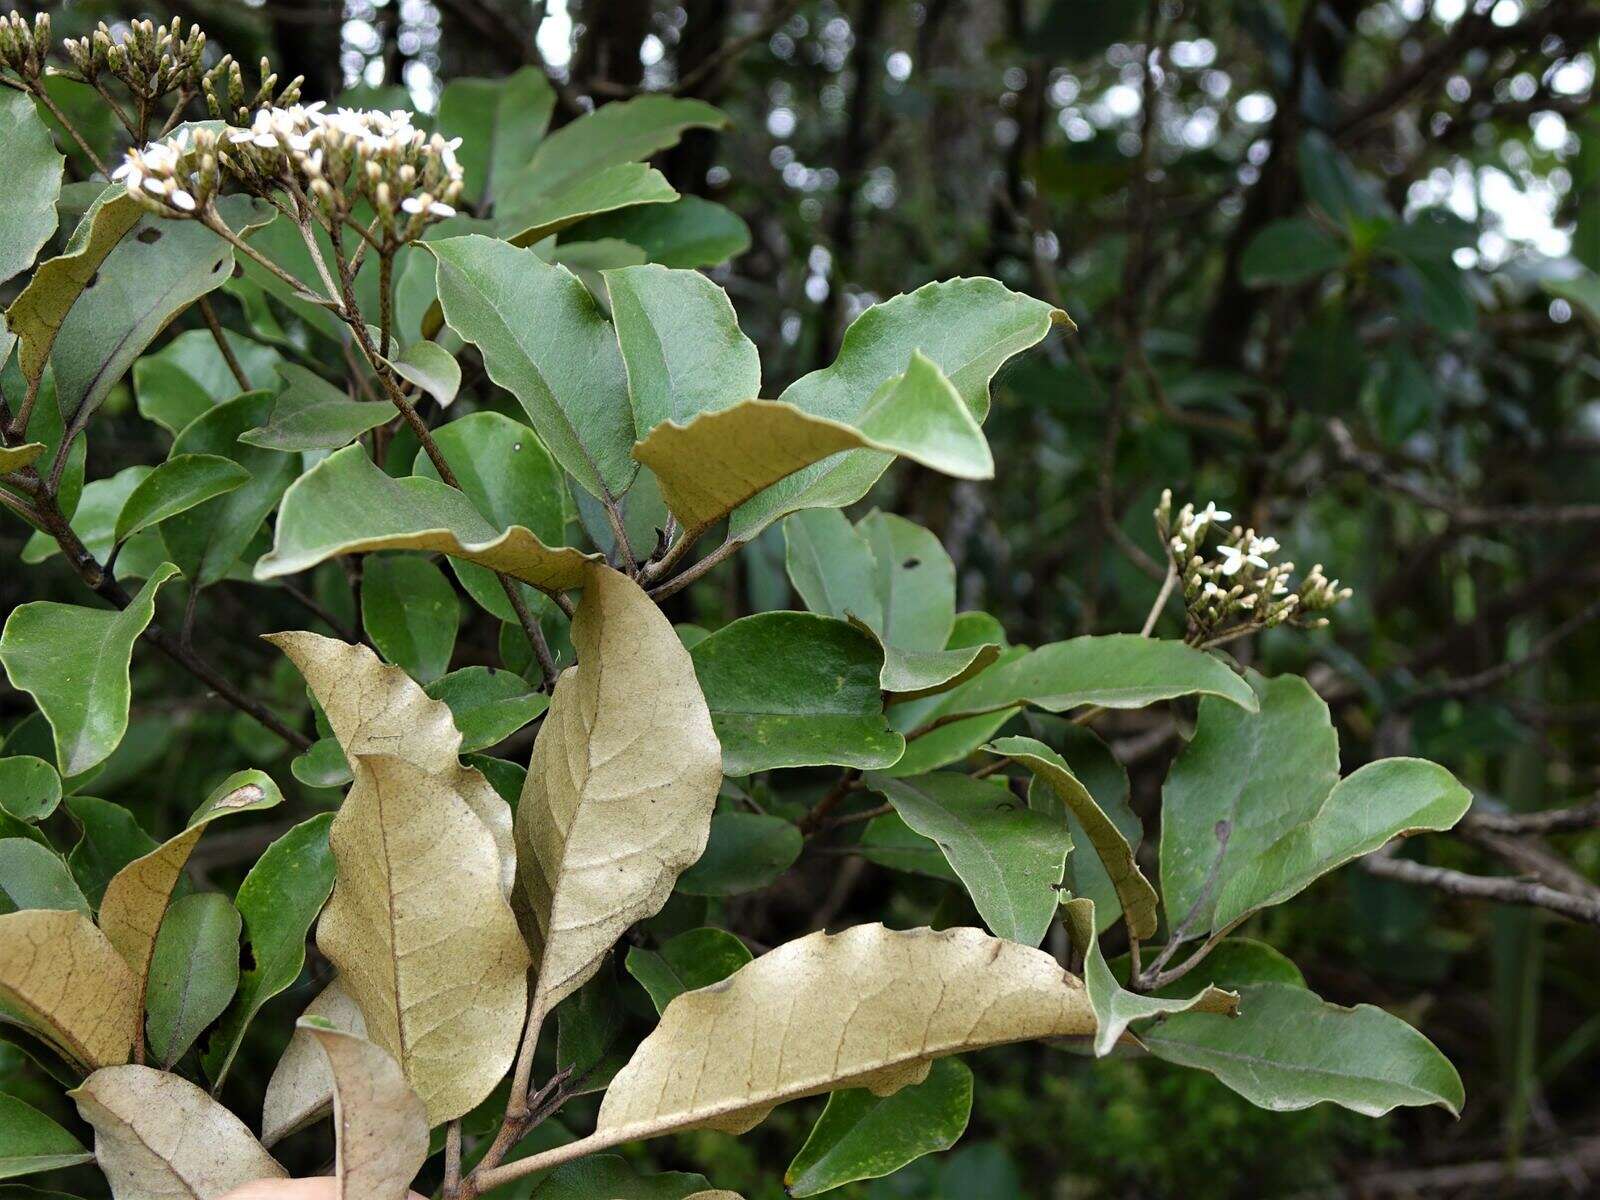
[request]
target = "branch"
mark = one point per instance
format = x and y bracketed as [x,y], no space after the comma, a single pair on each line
[1482,887]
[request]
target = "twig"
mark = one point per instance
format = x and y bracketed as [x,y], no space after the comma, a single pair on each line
[530,627]
[684,578]
[1167,585]
[209,314]
[1579,818]
[1482,887]
[1153,977]
[813,820]
[1467,684]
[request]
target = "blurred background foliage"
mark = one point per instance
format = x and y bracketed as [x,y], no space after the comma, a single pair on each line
[1333,264]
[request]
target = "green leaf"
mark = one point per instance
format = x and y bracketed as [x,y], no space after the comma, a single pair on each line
[30,788]
[1382,800]
[686,962]
[622,132]
[29,1140]
[279,899]
[175,486]
[967,327]
[14,458]
[795,690]
[864,1136]
[410,611]
[544,340]
[511,480]
[74,663]
[207,540]
[681,343]
[311,414]
[528,217]
[30,186]
[746,852]
[488,705]
[890,842]
[589,1032]
[323,765]
[1288,1050]
[1134,893]
[188,375]
[499,121]
[1121,670]
[432,368]
[894,579]
[347,505]
[687,233]
[1009,857]
[193,974]
[151,276]
[1115,1008]
[612,1177]
[1290,251]
[714,463]
[36,315]
[1259,773]
[34,876]
[110,840]
[1107,780]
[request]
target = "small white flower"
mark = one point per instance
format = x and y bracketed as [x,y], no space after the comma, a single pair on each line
[1263,545]
[183,200]
[440,209]
[412,204]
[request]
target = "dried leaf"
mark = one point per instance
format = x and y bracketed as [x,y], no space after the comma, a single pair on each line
[158,1137]
[61,978]
[620,789]
[380,1124]
[300,1091]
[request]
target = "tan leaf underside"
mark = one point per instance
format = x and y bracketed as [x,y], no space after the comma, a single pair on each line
[63,978]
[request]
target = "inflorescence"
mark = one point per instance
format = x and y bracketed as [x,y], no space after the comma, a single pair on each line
[1234,587]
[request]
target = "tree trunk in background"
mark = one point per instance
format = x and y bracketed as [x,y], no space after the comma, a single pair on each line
[609,51]
[705,31]
[306,34]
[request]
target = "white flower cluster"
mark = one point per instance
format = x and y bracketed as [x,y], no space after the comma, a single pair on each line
[1235,585]
[327,161]
[150,60]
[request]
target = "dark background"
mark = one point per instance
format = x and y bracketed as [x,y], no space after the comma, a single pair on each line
[1405,390]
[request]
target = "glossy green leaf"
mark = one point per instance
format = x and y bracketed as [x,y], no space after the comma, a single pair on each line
[110,839]
[511,480]
[1115,1008]
[207,540]
[431,368]
[188,375]
[95,520]
[323,765]
[30,788]
[410,611]
[34,876]
[1287,1050]
[890,842]
[31,1142]
[1121,670]
[74,663]
[967,327]
[746,851]
[864,1136]
[151,276]
[499,121]
[311,414]
[544,340]
[529,216]
[279,899]
[1103,837]
[793,690]
[1009,857]
[623,132]
[687,961]
[346,505]
[1259,774]
[681,343]
[488,705]
[689,232]
[177,485]
[1290,251]
[193,974]
[30,185]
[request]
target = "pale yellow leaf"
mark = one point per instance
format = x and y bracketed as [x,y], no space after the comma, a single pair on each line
[380,1124]
[620,788]
[136,898]
[61,978]
[158,1137]
[378,709]
[422,933]
[300,1091]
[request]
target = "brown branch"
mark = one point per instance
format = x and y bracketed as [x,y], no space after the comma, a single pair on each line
[1483,887]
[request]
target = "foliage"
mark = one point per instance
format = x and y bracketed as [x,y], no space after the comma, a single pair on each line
[469,397]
